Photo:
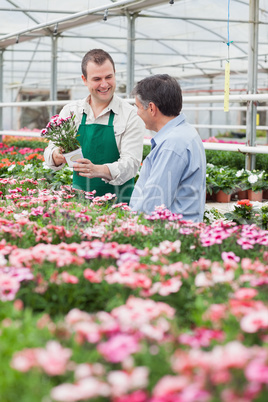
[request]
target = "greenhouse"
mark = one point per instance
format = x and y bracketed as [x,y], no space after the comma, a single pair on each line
[136,271]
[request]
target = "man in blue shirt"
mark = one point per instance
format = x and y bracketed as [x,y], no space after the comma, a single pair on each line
[174,172]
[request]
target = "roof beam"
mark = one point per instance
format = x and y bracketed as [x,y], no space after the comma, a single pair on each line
[77,19]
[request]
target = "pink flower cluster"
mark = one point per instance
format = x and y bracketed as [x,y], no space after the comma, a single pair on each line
[53,359]
[162,213]
[10,280]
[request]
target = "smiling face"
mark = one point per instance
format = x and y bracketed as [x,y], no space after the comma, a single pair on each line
[100,82]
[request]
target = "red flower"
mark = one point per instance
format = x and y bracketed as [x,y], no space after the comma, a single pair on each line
[244,202]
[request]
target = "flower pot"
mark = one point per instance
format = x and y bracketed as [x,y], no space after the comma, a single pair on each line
[265,194]
[210,197]
[255,195]
[242,194]
[71,157]
[221,196]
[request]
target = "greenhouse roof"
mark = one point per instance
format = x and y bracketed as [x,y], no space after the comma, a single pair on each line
[190,39]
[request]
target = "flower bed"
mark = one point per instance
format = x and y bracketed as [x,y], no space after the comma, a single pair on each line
[113,306]
[98,303]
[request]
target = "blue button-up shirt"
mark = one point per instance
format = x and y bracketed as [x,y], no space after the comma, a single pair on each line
[174,172]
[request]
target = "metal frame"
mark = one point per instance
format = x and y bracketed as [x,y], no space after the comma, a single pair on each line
[131,9]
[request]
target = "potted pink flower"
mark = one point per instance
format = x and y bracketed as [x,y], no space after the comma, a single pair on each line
[63,133]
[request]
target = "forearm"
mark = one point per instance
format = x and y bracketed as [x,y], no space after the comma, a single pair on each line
[103,172]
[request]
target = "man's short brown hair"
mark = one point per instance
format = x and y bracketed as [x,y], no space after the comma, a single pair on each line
[97,56]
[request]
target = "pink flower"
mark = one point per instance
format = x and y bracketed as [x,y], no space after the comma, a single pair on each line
[203,280]
[85,389]
[245,293]
[121,382]
[87,331]
[169,385]
[67,278]
[136,396]
[229,256]
[201,337]
[215,312]
[172,285]
[92,276]
[118,347]
[24,360]
[53,359]
[9,286]
[255,321]
[194,393]
[257,371]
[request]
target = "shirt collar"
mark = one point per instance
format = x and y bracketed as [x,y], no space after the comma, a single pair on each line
[160,135]
[113,105]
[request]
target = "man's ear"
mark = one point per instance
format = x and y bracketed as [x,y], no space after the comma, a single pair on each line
[153,108]
[84,79]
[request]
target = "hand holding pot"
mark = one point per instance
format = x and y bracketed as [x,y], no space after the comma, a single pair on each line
[87,169]
[58,158]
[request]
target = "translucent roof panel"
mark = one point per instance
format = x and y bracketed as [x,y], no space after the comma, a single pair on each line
[188,39]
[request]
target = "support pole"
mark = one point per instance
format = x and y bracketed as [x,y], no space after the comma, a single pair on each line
[53,87]
[210,110]
[252,79]
[1,89]
[130,52]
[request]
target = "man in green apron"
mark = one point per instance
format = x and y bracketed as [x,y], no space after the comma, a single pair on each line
[109,131]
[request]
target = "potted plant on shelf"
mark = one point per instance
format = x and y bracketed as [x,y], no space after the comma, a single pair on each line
[255,185]
[210,182]
[242,183]
[265,186]
[63,133]
[224,183]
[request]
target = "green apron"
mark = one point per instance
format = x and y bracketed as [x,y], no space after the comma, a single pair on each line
[99,146]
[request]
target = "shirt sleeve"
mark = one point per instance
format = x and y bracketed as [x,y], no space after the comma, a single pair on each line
[130,150]
[161,185]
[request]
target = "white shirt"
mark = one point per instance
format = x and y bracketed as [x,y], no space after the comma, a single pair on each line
[129,132]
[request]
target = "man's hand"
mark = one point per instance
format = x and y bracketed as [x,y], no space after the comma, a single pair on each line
[58,158]
[87,169]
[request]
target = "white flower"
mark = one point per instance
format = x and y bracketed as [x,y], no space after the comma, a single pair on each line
[23,214]
[253,178]
[239,172]
[45,166]
[11,167]
[210,165]
[27,167]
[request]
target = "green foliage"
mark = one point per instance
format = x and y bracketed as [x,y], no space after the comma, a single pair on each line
[146,151]
[57,299]
[234,160]
[33,144]
[226,158]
